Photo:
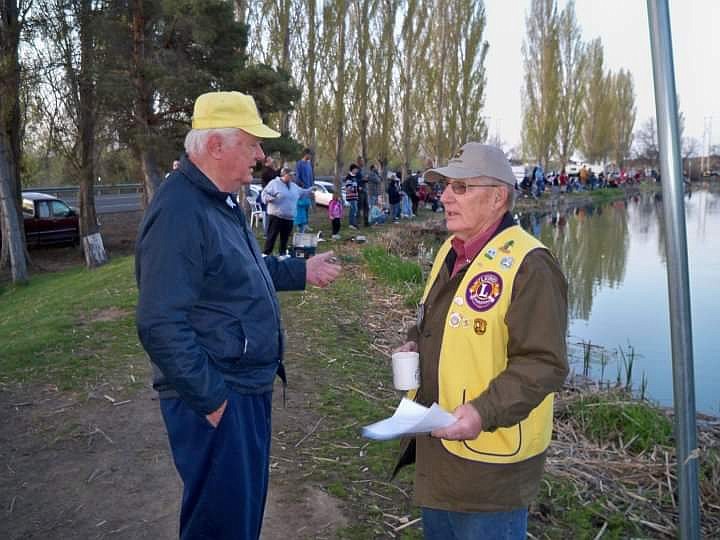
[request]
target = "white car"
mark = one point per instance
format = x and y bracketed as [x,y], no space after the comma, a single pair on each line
[324,192]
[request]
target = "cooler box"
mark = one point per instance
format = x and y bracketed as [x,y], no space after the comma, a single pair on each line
[304,245]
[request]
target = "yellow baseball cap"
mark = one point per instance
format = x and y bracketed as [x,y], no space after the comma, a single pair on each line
[230,110]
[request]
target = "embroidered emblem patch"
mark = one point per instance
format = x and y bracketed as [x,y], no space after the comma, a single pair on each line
[484,291]
[490,253]
[480,326]
[506,262]
[505,248]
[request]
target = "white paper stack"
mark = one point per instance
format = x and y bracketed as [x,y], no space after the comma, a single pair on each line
[408,419]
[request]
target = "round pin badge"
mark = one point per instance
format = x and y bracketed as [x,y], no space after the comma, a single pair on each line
[455,320]
[484,291]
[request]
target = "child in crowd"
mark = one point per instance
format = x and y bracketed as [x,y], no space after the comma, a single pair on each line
[377,216]
[335,213]
[301,216]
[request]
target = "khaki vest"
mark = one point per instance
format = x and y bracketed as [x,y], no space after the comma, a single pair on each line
[474,348]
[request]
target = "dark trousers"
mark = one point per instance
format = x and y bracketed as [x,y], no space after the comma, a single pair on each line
[278,226]
[415,201]
[224,470]
[336,225]
[363,206]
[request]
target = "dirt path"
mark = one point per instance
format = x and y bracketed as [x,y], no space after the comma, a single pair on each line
[83,467]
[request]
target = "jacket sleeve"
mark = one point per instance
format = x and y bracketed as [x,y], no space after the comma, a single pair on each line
[170,273]
[537,353]
[269,192]
[288,274]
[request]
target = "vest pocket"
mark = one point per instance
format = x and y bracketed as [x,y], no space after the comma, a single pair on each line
[503,442]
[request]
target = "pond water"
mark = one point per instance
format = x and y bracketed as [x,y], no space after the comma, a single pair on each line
[614,258]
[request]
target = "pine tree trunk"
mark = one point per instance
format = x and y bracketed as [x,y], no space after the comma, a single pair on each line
[143,108]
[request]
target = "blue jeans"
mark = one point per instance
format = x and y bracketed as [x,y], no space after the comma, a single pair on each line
[445,525]
[352,218]
[395,211]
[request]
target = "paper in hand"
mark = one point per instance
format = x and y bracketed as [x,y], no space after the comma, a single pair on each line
[409,418]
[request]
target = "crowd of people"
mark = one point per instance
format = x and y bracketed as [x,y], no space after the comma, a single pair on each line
[286,199]
[535,182]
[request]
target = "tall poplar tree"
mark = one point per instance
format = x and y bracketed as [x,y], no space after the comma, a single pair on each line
[340,92]
[596,142]
[625,112]
[385,62]
[573,68]
[541,93]
[414,35]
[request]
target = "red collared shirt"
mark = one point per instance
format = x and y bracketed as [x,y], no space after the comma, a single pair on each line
[467,251]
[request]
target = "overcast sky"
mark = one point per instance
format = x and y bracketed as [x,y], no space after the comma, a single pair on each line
[623,27]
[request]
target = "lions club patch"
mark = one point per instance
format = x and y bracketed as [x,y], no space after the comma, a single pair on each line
[484,291]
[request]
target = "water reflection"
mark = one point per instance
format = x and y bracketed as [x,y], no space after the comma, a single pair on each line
[614,258]
[591,245]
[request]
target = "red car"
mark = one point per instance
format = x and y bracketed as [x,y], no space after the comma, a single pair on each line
[49,220]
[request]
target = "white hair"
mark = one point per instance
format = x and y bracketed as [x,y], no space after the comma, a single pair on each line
[196,139]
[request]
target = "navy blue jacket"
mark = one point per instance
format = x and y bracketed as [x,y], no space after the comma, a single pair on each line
[208,314]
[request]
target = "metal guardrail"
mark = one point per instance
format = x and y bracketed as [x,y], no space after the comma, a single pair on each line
[64,191]
[70,191]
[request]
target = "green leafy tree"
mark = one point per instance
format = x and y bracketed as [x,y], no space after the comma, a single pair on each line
[541,93]
[171,51]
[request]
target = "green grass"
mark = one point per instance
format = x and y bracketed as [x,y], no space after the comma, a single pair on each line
[52,329]
[613,418]
[391,269]
[402,275]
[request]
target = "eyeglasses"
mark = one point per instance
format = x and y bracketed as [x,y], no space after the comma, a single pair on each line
[460,187]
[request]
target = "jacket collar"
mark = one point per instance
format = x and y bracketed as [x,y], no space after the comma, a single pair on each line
[198,179]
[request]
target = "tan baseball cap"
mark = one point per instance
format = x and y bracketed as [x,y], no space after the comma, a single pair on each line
[216,110]
[473,160]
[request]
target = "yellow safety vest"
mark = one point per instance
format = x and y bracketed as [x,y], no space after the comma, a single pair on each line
[474,348]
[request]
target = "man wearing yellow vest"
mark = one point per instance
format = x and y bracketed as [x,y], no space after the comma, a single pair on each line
[491,336]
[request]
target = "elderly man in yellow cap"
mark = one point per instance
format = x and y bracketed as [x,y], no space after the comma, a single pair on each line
[209,319]
[491,336]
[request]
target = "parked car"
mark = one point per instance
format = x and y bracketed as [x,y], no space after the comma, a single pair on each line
[49,220]
[324,192]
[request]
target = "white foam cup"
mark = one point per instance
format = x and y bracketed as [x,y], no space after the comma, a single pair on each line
[406,370]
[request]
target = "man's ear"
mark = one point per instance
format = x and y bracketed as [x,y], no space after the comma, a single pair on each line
[214,146]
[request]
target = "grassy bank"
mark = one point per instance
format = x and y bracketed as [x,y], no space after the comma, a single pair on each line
[73,329]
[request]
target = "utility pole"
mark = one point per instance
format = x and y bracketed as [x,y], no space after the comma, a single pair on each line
[677,269]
